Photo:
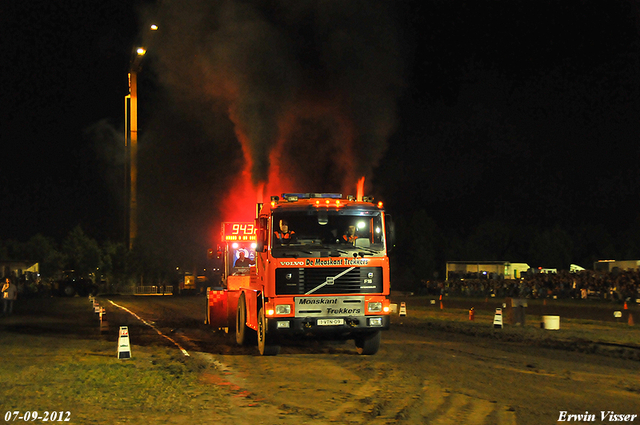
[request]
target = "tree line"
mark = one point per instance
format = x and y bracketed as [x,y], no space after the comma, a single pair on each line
[109,263]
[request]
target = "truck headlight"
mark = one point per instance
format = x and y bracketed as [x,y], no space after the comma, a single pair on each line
[283,309]
[375,307]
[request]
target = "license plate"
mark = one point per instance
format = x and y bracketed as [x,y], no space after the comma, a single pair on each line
[330,322]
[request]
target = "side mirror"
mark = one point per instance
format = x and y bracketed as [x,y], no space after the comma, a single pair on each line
[390,229]
[262,235]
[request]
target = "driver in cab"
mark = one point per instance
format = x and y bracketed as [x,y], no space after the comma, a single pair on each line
[284,235]
[350,236]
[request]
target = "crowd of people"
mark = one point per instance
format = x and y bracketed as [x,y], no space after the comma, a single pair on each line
[586,284]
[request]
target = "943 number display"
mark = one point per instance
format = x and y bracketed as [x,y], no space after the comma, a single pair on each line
[46,416]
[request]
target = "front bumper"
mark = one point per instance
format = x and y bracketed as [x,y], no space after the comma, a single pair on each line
[309,325]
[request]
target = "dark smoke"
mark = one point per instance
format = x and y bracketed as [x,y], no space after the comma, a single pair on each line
[330,71]
[235,82]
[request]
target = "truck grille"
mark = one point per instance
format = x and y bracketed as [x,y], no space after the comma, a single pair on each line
[360,280]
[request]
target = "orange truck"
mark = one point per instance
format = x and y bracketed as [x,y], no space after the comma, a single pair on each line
[313,265]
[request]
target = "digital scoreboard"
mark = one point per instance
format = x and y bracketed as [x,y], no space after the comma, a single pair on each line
[238,232]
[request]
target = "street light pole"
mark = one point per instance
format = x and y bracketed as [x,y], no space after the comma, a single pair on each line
[133,158]
[127,143]
[131,143]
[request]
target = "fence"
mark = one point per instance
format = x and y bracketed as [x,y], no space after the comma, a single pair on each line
[153,290]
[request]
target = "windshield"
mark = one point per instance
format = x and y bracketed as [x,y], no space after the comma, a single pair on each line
[334,233]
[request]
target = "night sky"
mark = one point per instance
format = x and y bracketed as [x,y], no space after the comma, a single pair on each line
[518,111]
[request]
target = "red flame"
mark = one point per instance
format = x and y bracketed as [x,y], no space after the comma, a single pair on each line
[240,201]
[360,192]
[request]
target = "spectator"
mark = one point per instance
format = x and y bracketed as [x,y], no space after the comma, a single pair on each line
[9,295]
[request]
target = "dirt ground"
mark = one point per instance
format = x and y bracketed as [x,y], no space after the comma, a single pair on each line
[422,374]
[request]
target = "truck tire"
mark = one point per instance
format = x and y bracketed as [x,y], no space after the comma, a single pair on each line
[368,344]
[244,334]
[266,347]
[69,290]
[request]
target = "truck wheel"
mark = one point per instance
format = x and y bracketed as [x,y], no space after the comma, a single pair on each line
[243,332]
[265,348]
[69,290]
[368,344]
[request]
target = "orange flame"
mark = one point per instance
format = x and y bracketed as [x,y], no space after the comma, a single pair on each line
[240,201]
[360,192]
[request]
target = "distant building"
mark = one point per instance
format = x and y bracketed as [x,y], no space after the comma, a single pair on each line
[616,265]
[485,270]
[16,269]
[574,268]
[543,270]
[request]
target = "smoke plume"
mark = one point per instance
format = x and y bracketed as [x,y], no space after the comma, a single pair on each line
[310,86]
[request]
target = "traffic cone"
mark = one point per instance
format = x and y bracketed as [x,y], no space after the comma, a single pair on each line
[104,325]
[471,314]
[124,348]
[544,302]
[497,319]
[441,306]
[625,306]
[630,319]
